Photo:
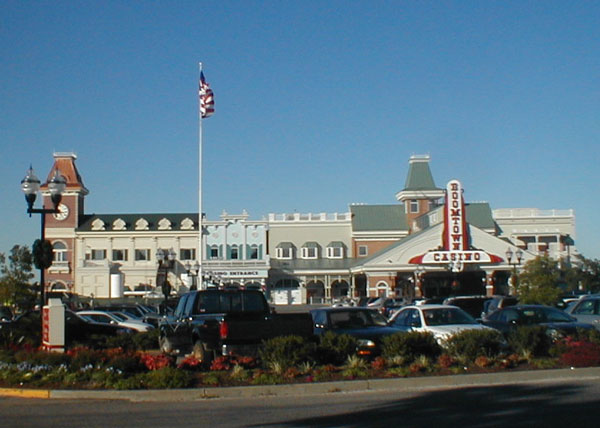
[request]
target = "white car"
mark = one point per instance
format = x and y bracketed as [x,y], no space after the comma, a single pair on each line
[112,318]
[443,321]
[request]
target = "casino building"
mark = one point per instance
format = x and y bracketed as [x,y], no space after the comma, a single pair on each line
[431,243]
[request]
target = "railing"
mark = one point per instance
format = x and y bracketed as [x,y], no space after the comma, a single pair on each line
[312,217]
[530,212]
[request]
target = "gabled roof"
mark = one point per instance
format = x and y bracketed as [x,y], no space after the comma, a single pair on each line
[366,218]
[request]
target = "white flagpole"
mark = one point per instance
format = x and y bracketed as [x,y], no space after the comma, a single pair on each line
[200,244]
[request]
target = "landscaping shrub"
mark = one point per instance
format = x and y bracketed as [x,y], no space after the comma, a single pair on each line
[580,353]
[470,344]
[410,346]
[157,362]
[85,357]
[287,351]
[531,340]
[335,348]
[126,362]
[168,377]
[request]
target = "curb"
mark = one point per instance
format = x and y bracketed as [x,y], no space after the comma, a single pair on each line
[302,389]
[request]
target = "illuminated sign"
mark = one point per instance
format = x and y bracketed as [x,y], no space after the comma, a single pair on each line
[456,247]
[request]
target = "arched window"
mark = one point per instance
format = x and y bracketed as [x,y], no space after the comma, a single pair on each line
[59,251]
[383,289]
[235,254]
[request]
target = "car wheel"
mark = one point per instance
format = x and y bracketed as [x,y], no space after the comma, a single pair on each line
[201,352]
[165,344]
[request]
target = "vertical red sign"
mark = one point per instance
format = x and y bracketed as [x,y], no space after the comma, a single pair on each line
[45,324]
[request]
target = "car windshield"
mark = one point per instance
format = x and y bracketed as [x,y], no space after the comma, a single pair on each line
[356,319]
[119,318]
[447,316]
[540,315]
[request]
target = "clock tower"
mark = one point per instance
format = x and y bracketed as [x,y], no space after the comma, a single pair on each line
[61,226]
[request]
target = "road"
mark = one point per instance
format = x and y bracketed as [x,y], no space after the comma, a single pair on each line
[569,403]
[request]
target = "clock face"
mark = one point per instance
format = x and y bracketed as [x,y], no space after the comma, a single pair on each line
[63,212]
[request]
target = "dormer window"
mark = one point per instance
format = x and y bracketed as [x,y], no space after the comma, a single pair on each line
[336,250]
[285,250]
[310,250]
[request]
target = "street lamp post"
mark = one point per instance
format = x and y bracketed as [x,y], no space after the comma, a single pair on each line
[419,273]
[509,257]
[31,186]
[166,262]
[192,271]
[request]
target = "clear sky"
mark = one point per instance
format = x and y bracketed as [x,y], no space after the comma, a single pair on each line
[319,104]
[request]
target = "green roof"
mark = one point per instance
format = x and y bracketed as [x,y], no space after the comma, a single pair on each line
[479,214]
[419,176]
[367,218]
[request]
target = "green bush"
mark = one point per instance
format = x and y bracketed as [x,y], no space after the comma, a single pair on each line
[470,344]
[531,340]
[167,377]
[287,351]
[410,346]
[335,348]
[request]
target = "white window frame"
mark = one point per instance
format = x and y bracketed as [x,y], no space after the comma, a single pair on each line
[283,253]
[414,206]
[187,254]
[120,255]
[363,250]
[310,253]
[335,252]
[142,255]
[98,254]
[59,250]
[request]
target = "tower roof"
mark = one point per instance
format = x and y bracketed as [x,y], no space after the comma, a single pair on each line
[419,180]
[65,163]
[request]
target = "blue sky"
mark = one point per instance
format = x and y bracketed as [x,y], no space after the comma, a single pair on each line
[319,104]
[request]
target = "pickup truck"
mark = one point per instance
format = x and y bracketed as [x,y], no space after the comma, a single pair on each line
[207,323]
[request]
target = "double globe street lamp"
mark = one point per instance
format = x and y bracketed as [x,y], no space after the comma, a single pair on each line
[42,250]
[166,262]
[509,257]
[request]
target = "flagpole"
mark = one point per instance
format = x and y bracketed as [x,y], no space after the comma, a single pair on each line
[200,245]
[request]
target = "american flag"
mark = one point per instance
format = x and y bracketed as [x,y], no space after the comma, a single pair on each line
[207,99]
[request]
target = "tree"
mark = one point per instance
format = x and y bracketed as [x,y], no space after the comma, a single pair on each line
[538,283]
[16,274]
[587,274]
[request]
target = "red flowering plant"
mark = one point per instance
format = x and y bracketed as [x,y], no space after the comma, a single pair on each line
[190,363]
[580,353]
[158,361]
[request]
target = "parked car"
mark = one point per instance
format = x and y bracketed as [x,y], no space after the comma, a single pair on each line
[77,329]
[587,310]
[387,305]
[473,305]
[498,302]
[105,317]
[220,322]
[6,314]
[443,321]
[368,325]
[141,312]
[558,323]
